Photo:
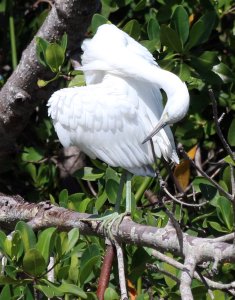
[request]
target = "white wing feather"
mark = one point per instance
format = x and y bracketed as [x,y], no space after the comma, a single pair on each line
[104,120]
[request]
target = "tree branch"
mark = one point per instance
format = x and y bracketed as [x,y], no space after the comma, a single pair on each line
[187,277]
[43,215]
[20,94]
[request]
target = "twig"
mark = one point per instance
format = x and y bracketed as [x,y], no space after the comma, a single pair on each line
[51,269]
[94,193]
[177,229]
[121,271]
[233,195]
[158,269]
[227,195]
[35,5]
[181,202]
[217,125]
[175,180]
[224,238]
[105,271]
[186,277]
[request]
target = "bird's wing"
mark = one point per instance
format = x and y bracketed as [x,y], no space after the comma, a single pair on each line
[105,122]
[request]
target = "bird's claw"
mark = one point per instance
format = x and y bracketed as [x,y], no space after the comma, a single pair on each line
[109,223]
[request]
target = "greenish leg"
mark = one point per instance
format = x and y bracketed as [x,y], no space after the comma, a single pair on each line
[128,193]
[120,190]
[115,218]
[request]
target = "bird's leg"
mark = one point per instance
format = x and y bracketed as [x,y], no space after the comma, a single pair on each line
[128,193]
[116,218]
[120,190]
[119,217]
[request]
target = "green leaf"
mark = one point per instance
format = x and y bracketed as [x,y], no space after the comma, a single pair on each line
[110,293]
[27,235]
[217,226]
[224,207]
[151,45]
[54,56]
[5,293]
[78,80]
[3,5]
[63,198]
[100,201]
[7,280]
[2,240]
[34,263]
[42,83]
[231,134]
[181,23]
[63,42]
[229,159]
[172,270]
[51,290]
[153,29]
[111,189]
[97,20]
[31,154]
[205,61]
[204,186]
[140,5]
[201,30]
[73,237]
[170,38]
[138,264]
[183,71]
[8,246]
[224,72]
[46,242]
[17,245]
[133,29]
[41,46]
[112,184]
[82,206]
[89,174]
[89,259]
[63,241]
[68,288]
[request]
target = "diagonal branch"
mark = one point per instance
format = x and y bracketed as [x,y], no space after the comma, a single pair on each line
[20,94]
[217,125]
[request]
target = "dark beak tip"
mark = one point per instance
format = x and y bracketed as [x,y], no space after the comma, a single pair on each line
[145,140]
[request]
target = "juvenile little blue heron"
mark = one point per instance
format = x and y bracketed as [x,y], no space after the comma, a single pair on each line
[120,108]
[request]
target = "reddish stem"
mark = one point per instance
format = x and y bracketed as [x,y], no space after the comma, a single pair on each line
[105,271]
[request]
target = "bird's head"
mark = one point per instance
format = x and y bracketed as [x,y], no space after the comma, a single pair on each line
[176,108]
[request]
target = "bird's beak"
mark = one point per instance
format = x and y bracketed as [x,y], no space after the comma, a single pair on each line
[161,124]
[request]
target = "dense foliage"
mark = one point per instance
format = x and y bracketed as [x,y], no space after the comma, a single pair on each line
[194,39]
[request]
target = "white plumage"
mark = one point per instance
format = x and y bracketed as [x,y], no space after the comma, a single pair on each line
[111,116]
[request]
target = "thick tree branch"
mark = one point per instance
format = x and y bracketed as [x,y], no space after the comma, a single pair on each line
[43,215]
[20,94]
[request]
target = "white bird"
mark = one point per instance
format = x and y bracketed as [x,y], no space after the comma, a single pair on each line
[121,104]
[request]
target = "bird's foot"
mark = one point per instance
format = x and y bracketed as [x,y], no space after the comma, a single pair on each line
[110,223]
